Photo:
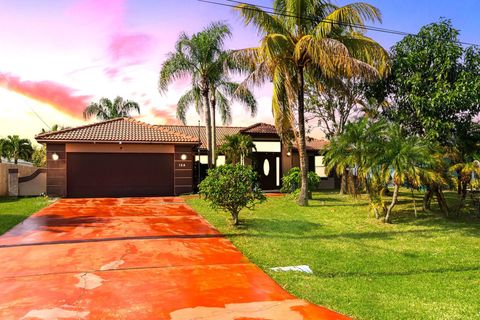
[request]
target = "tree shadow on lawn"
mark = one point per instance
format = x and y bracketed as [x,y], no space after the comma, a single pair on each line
[412,272]
[299,229]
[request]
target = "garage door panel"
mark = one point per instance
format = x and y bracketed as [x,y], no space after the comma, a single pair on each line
[119,174]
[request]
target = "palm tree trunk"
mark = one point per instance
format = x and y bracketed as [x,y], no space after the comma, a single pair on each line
[214,132]
[427,199]
[343,182]
[396,188]
[208,125]
[302,148]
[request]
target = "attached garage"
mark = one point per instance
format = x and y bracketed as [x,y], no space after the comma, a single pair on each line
[118,158]
[119,174]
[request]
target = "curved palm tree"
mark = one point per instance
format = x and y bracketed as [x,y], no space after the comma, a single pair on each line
[17,148]
[466,172]
[404,159]
[106,109]
[308,37]
[237,147]
[202,58]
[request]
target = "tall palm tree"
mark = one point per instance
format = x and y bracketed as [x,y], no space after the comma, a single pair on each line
[314,38]
[202,58]
[222,93]
[17,148]
[237,147]
[106,109]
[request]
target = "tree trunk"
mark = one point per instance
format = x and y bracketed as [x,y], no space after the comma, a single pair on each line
[302,148]
[214,132]
[462,197]
[235,220]
[208,125]
[344,182]
[392,204]
[442,203]
[427,199]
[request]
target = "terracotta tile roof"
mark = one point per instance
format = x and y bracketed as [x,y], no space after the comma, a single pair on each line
[314,144]
[262,128]
[193,131]
[120,129]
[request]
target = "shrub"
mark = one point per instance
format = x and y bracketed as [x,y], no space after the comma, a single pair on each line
[231,188]
[291,181]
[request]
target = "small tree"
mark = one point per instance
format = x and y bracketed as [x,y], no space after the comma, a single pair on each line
[39,157]
[232,188]
[292,180]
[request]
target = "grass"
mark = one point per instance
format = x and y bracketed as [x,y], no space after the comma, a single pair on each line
[15,210]
[423,268]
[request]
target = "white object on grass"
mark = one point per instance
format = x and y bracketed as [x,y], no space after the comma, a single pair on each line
[303,268]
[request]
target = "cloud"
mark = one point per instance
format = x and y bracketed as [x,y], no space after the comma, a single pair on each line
[133,46]
[167,115]
[60,97]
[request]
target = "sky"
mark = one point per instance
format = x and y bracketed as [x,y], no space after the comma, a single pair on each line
[56,56]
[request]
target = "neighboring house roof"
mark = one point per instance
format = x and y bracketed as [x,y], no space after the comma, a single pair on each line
[118,130]
[193,131]
[260,128]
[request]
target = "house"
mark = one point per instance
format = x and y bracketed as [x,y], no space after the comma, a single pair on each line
[126,157]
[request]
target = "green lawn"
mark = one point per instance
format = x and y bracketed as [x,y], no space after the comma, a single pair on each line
[15,210]
[424,268]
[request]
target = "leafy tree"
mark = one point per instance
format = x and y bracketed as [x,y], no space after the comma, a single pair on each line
[434,83]
[232,188]
[202,58]
[335,103]
[2,149]
[106,109]
[291,181]
[298,40]
[39,157]
[237,147]
[17,148]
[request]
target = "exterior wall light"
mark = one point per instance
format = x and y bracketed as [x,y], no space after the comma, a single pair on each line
[289,153]
[55,156]
[183,157]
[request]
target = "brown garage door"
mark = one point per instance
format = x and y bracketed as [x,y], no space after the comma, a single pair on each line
[119,174]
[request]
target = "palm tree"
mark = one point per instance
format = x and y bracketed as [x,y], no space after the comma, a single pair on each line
[106,109]
[237,147]
[466,172]
[202,58]
[17,148]
[351,154]
[313,38]
[54,127]
[222,93]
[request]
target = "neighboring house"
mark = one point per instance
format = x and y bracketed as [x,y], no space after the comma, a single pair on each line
[126,157]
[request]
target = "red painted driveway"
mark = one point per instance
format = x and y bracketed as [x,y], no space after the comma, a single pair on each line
[134,258]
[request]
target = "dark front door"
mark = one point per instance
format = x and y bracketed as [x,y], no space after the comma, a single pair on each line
[119,174]
[266,167]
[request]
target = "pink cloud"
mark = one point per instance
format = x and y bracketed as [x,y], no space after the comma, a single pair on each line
[166,115]
[132,46]
[57,95]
